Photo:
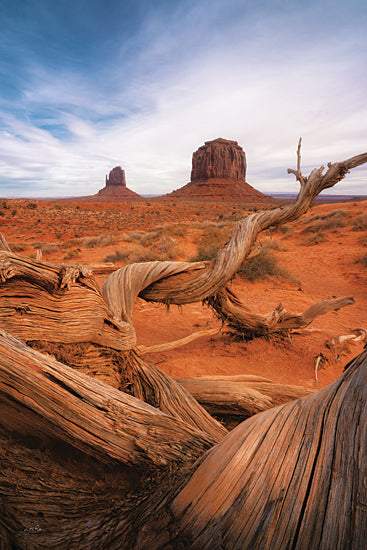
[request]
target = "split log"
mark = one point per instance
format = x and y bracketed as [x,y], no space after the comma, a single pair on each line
[232,399]
[290,477]
[129,373]
[91,416]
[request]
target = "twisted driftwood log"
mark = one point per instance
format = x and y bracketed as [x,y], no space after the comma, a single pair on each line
[85,466]
[90,464]
[182,283]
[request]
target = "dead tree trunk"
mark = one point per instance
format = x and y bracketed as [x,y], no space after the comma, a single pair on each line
[112,463]
[85,466]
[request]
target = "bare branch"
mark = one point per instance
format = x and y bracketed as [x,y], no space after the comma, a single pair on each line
[142,350]
[199,281]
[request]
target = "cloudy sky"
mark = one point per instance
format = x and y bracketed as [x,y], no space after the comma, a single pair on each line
[86,85]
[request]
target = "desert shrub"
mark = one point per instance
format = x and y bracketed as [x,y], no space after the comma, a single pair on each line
[99,240]
[167,249]
[315,238]
[206,253]
[360,223]
[363,240]
[18,247]
[273,244]
[362,260]
[47,248]
[72,253]
[2,214]
[152,236]
[71,243]
[215,234]
[213,238]
[330,222]
[149,238]
[263,266]
[133,236]
[31,205]
[284,229]
[134,253]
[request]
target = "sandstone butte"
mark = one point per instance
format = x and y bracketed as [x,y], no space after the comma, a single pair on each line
[115,189]
[219,173]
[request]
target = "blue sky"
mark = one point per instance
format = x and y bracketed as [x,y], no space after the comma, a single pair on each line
[86,85]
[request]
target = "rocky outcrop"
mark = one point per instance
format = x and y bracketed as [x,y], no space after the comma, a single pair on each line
[219,159]
[116,177]
[115,189]
[219,173]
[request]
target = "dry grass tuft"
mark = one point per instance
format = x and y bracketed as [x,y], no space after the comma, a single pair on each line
[330,222]
[263,266]
[360,223]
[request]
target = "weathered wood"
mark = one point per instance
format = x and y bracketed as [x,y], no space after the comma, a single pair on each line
[246,324]
[128,372]
[158,348]
[3,244]
[181,283]
[290,477]
[92,416]
[41,301]
[232,399]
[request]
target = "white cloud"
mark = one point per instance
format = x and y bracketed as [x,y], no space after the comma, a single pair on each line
[260,84]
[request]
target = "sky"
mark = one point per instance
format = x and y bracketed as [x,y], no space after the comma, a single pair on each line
[87,85]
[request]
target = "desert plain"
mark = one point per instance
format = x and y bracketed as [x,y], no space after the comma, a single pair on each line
[320,256]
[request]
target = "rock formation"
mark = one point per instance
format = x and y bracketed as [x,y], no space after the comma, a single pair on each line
[220,158]
[219,173]
[116,177]
[115,189]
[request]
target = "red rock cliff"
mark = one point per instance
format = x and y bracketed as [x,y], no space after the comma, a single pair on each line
[116,177]
[219,173]
[220,159]
[115,189]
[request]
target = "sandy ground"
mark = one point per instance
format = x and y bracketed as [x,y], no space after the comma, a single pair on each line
[324,270]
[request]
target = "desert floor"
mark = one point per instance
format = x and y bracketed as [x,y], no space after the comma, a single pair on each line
[324,254]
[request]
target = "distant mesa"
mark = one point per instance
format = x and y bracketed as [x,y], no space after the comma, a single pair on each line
[219,173]
[115,189]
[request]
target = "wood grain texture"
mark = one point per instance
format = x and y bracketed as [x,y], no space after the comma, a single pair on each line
[232,399]
[290,477]
[93,416]
[54,303]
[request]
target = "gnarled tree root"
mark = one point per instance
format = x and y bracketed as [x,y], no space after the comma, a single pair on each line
[246,324]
